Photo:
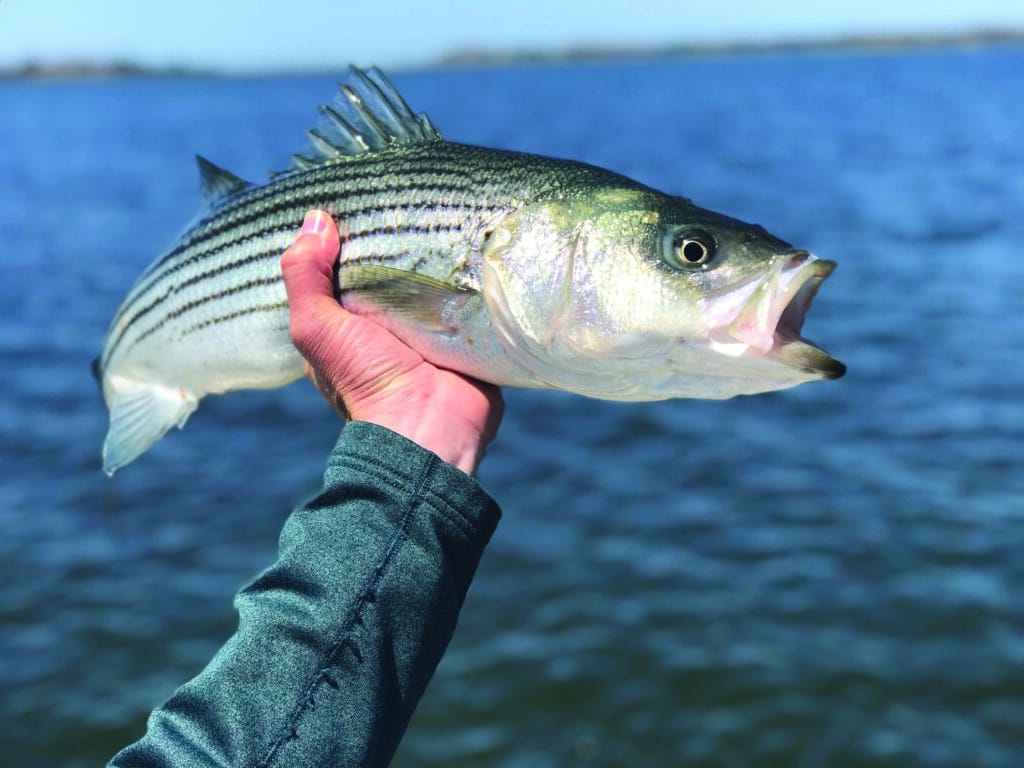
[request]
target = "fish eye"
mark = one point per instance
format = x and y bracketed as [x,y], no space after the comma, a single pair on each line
[691,248]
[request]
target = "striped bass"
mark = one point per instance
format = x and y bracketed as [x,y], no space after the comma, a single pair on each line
[516,269]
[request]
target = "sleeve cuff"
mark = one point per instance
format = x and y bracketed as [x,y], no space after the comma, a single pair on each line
[395,461]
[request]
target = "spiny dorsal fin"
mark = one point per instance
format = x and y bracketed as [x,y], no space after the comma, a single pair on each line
[368,115]
[215,183]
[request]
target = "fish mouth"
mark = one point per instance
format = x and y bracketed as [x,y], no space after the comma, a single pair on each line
[771,320]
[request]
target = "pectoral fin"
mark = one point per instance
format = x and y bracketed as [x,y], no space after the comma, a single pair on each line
[140,414]
[416,300]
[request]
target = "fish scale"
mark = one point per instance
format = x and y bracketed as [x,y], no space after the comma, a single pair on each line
[426,188]
[416,215]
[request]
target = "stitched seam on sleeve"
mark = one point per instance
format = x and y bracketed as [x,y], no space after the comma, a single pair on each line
[367,595]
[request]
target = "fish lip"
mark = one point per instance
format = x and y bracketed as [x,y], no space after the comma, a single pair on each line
[788,345]
[802,289]
[772,319]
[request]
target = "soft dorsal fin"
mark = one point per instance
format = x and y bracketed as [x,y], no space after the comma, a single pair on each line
[215,183]
[368,115]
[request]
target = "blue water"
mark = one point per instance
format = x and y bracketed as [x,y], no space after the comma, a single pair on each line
[828,576]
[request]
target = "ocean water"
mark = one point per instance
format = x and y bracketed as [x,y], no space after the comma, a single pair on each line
[828,576]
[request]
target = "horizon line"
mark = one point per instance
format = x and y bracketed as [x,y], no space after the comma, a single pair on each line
[464,58]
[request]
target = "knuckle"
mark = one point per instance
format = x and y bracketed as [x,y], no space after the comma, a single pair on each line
[306,337]
[293,259]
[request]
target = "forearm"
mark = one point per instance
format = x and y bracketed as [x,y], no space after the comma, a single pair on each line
[338,639]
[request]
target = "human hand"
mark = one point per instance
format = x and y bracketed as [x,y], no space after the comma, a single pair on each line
[367,374]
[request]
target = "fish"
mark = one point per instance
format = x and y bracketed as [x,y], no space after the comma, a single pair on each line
[515,269]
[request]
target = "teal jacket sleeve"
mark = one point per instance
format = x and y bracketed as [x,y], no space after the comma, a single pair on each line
[337,640]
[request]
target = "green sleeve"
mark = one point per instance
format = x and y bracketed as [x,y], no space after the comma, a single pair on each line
[338,639]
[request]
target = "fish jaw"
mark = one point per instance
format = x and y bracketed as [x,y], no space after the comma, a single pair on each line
[771,318]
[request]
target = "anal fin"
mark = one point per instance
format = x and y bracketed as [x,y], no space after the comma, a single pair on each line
[140,414]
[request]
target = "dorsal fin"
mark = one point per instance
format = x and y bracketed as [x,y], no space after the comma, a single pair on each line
[368,115]
[215,183]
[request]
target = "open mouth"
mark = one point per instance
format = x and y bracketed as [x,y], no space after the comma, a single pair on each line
[773,317]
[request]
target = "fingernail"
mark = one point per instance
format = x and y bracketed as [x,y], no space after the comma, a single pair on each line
[314,223]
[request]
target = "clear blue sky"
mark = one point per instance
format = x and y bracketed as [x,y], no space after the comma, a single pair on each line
[246,35]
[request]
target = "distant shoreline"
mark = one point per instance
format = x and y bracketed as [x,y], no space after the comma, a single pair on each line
[473,58]
[877,43]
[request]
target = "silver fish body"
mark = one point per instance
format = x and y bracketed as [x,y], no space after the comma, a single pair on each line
[516,269]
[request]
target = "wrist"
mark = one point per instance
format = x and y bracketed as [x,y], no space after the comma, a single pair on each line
[439,430]
[462,449]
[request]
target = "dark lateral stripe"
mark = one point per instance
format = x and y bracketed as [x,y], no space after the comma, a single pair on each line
[259,308]
[313,191]
[468,183]
[388,198]
[179,287]
[173,290]
[298,208]
[413,227]
[158,277]
[196,303]
[476,177]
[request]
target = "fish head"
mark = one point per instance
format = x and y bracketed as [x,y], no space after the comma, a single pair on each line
[632,295]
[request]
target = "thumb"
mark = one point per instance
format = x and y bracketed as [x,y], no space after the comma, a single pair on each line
[308,265]
[308,270]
